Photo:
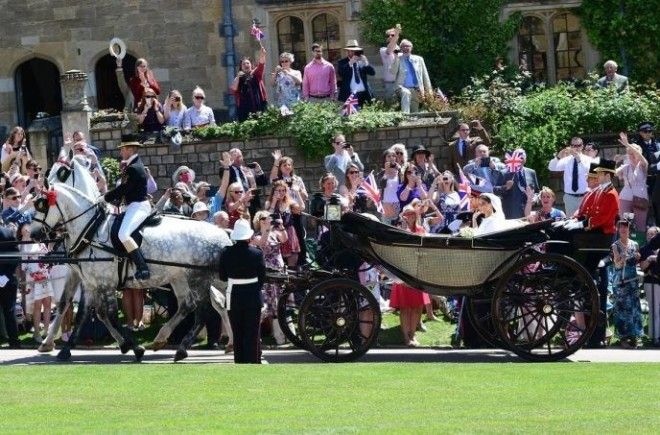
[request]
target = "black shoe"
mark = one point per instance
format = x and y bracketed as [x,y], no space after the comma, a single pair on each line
[15,345]
[142,272]
[212,346]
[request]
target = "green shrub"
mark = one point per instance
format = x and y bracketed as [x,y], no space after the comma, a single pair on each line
[111,169]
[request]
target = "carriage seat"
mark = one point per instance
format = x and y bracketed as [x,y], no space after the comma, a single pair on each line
[153,220]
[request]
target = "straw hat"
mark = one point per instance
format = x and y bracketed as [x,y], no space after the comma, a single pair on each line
[352,45]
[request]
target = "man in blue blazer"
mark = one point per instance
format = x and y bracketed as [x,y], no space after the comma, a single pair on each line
[353,71]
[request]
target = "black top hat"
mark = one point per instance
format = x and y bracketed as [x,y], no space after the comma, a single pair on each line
[646,126]
[420,149]
[592,169]
[130,140]
[606,166]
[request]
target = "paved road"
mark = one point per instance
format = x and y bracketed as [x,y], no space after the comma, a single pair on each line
[295,356]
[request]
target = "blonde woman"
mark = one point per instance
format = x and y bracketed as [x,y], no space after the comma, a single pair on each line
[633,197]
[237,203]
[174,110]
[280,204]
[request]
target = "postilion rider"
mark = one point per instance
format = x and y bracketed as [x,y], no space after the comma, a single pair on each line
[132,191]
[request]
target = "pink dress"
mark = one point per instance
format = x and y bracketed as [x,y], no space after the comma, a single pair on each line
[403,296]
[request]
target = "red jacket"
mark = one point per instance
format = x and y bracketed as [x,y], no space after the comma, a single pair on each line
[600,208]
[258,74]
[138,90]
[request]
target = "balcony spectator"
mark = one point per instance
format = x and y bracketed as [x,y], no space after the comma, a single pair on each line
[287,82]
[199,114]
[150,112]
[174,110]
[319,79]
[388,55]
[15,150]
[611,78]
[248,87]
[353,71]
[412,78]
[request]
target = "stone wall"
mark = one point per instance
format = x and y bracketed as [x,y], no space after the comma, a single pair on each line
[203,157]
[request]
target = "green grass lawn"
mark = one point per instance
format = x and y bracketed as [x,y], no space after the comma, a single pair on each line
[358,397]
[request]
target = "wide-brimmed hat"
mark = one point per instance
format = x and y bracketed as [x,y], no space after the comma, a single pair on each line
[419,148]
[606,166]
[242,230]
[199,207]
[646,126]
[129,140]
[352,45]
[16,176]
[179,170]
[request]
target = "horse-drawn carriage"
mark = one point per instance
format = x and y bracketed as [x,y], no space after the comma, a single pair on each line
[541,306]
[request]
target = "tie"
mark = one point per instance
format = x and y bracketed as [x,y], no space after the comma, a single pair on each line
[356,74]
[574,185]
[461,145]
[123,165]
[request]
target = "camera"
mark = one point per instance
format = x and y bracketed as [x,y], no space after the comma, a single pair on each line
[252,165]
[629,216]
[485,162]
[358,53]
[347,145]
[177,98]
[393,165]
[276,219]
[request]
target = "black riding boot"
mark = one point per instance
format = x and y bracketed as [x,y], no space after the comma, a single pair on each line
[142,271]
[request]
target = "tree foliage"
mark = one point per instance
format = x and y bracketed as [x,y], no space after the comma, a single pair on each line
[625,31]
[458,39]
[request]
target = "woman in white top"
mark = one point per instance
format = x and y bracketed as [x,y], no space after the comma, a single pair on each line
[388,182]
[490,207]
[447,200]
[174,110]
[632,174]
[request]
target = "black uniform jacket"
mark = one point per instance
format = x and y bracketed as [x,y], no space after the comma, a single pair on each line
[8,269]
[133,187]
[242,261]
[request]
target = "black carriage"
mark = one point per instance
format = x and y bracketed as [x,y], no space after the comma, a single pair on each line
[542,306]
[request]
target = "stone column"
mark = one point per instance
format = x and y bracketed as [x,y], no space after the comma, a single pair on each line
[76,112]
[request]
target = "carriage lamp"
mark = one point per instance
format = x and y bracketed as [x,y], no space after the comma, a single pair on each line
[332,211]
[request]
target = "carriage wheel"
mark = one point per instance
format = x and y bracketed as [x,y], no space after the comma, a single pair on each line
[288,315]
[339,320]
[545,307]
[480,315]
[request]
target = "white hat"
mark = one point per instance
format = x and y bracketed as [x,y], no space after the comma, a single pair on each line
[242,230]
[199,207]
[179,170]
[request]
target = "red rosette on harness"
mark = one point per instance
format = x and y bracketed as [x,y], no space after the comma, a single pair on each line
[51,197]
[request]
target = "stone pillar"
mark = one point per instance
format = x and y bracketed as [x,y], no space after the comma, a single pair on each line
[76,113]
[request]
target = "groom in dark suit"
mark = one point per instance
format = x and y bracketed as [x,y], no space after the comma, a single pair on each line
[353,71]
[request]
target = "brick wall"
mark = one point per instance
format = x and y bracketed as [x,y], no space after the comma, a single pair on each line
[203,157]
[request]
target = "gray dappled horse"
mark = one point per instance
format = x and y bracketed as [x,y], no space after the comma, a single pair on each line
[190,249]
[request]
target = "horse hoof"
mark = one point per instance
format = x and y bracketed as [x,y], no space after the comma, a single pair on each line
[180,354]
[64,355]
[125,348]
[139,353]
[45,348]
[158,345]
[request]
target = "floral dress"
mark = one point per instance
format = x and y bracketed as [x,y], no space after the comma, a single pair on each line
[287,92]
[273,259]
[37,275]
[448,204]
[627,307]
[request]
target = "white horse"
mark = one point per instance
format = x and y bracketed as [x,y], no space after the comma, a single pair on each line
[188,248]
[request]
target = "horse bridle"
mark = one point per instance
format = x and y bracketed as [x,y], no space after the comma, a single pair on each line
[43,205]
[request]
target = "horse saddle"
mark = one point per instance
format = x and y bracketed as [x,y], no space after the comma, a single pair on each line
[154,219]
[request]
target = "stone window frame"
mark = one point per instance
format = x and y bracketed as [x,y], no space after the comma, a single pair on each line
[306,13]
[547,13]
[563,38]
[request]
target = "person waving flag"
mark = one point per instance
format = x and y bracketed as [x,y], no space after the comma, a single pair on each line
[350,106]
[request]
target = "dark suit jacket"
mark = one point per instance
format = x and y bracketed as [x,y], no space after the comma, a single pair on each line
[133,187]
[8,269]
[514,199]
[260,180]
[468,154]
[345,73]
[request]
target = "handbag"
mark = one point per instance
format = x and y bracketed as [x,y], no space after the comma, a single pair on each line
[640,203]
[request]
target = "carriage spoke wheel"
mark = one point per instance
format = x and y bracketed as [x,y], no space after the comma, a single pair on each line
[288,315]
[339,320]
[480,315]
[545,307]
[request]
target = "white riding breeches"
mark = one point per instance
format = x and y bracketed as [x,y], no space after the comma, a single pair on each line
[136,213]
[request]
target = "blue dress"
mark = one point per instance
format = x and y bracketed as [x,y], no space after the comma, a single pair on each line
[627,308]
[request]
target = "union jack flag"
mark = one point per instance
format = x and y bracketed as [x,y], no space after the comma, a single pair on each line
[350,107]
[370,188]
[257,32]
[464,189]
[514,160]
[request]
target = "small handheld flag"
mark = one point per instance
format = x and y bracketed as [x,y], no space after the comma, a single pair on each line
[514,161]
[370,188]
[350,107]
[257,32]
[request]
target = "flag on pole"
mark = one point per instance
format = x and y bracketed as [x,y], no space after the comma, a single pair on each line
[350,107]
[257,32]
[463,190]
[370,188]
[514,160]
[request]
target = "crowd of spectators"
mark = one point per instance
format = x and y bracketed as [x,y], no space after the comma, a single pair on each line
[415,194]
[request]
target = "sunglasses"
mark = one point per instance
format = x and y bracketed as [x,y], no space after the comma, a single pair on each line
[411,172]
[149,96]
[391,35]
[353,172]
[280,190]
[576,145]
[399,153]
[445,179]
[237,191]
[339,142]
[198,97]
[285,61]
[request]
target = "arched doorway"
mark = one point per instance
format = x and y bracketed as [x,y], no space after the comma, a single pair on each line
[38,90]
[108,94]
